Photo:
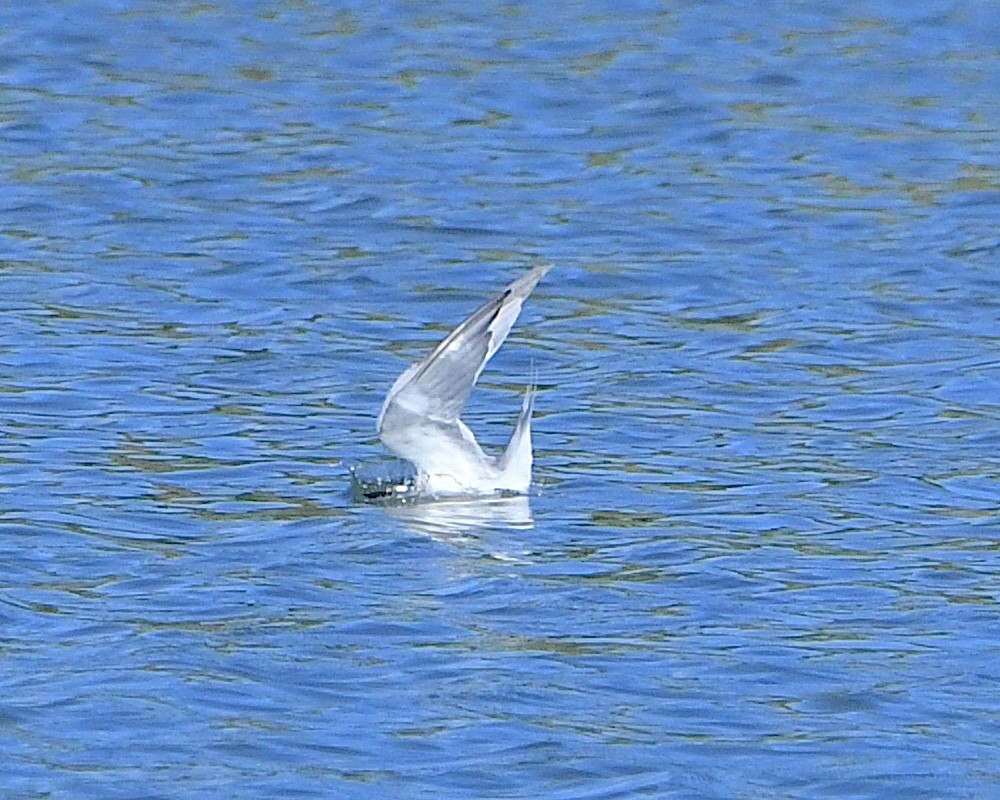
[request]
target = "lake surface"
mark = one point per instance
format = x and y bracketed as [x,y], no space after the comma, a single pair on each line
[763,557]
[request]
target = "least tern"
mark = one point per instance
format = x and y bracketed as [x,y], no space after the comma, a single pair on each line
[419,420]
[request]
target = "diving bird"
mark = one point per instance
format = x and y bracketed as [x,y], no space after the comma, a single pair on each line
[420,421]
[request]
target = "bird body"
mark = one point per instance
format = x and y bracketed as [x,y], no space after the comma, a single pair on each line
[419,420]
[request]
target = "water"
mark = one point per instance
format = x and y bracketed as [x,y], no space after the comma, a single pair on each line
[762,559]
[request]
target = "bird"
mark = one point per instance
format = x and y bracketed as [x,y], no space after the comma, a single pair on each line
[419,420]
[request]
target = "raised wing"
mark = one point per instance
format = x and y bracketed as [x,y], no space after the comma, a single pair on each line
[438,387]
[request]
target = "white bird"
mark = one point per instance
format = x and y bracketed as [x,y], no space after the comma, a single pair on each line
[420,421]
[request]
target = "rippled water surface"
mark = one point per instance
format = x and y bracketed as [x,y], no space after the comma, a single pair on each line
[762,559]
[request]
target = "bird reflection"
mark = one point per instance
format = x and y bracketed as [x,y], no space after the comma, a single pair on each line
[459,519]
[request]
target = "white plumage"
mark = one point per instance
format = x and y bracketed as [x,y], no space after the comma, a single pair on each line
[420,421]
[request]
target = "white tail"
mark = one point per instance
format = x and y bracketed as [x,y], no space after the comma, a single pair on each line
[515,463]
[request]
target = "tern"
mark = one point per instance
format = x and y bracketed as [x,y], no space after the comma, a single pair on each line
[419,420]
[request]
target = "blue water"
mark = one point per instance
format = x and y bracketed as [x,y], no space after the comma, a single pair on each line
[762,559]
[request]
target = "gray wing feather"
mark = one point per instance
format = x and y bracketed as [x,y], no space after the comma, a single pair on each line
[438,387]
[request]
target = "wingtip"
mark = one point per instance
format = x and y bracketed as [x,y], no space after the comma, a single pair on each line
[540,271]
[525,285]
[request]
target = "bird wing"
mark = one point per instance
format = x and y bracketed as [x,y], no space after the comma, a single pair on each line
[437,388]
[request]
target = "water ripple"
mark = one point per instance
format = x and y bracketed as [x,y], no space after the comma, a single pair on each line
[760,558]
